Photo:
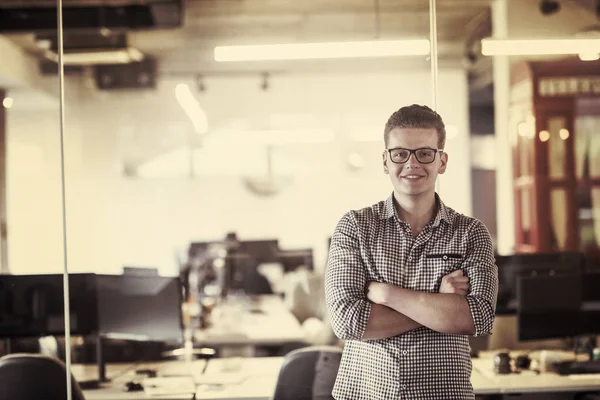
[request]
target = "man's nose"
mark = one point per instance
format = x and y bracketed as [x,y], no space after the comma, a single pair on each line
[412,161]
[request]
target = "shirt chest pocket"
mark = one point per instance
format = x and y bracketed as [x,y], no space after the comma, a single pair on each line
[441,264]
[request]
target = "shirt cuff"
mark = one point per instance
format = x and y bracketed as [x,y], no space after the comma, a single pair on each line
[482,323]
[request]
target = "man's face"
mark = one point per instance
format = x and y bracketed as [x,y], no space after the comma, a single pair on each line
[414,178]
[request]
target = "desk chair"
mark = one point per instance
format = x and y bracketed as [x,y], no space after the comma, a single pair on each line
[308,373]
[34,377]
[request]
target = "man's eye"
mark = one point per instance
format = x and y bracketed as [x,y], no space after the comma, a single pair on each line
[426,153]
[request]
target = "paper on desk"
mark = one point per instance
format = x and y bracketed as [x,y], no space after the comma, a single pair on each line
[580,377]
[219,379]
[256,387]
[169,386]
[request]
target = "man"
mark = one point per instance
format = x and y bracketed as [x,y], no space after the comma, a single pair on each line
[409,279]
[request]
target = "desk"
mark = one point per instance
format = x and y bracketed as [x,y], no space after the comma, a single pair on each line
[119,374]
[256,378]
[234,378]
[488,382]
[265,321]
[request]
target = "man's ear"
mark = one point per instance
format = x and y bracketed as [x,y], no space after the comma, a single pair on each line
[444,162]
[385,167]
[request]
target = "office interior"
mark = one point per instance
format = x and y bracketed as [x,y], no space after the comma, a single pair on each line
[189,197]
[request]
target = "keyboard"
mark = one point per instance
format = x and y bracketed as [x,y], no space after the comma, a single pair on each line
[577,367]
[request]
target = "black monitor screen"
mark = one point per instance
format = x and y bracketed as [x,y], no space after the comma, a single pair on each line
[242,275]
[591,287]
[592,261]
[292,259]
[262,251]
[510,268]
[140,308]
[549,307]
[591,303]
[32,305]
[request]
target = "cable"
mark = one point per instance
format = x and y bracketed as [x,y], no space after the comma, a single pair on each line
[125,370]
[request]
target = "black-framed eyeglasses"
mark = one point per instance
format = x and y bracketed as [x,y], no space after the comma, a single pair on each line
[424,155]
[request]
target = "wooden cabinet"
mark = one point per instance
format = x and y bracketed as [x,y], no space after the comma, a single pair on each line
[555,137]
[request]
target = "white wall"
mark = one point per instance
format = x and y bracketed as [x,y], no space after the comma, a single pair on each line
[114,221]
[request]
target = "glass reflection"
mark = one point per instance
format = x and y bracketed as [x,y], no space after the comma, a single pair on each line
[167,147]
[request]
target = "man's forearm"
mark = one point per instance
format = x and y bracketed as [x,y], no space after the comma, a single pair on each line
[385,322]
[446,313]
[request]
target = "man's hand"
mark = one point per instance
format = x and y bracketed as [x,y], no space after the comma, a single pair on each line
[455,282]
[377,292]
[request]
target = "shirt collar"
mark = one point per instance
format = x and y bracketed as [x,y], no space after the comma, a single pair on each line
[390,211]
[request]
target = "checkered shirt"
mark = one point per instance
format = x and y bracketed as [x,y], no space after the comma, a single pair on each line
[373,244]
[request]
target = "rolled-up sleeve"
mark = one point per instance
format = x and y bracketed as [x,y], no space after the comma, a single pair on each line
[345,280]
[480,268]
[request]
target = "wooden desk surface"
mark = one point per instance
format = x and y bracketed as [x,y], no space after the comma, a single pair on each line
[224,378]
[528,381]
[265,322]
[119,374]
[256,378]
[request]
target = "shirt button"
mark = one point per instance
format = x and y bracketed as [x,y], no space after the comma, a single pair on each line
[445,258]
[402,387]
[404,352]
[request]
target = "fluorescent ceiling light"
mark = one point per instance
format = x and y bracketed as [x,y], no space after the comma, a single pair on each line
[374,134]
[95,57]
[301,51]
[520,47]
[589,56]
[273,137]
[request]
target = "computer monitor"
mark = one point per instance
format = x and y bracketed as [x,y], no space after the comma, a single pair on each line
[510,268]
[130,307]
[591,303]
[236,268]
[549,306]
[559,306]
[241,274]
[137,307]
[591,261]
[129,270]
[262,251]
[33,305]
[292,259]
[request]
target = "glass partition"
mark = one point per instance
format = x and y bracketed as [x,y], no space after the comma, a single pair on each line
[203,179]
[229,167]
[214,145]
[31,224]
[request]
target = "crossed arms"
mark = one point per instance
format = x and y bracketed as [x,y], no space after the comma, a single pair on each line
[396,310]
[465,304]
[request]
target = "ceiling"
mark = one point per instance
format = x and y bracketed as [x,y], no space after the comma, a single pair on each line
[188,51]
[207,23]
[218,22]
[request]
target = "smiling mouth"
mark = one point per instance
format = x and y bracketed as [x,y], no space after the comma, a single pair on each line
[412,177]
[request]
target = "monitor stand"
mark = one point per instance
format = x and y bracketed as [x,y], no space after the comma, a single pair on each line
[95,383]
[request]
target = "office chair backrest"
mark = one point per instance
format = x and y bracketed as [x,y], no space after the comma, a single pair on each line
[308,373]
[34,377]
